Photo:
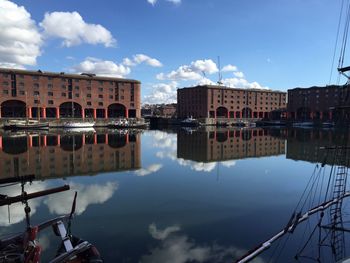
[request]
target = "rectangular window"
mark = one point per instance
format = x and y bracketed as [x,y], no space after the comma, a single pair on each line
[63,94]
[36,101]
[36,92]
[36,85]
[6,91]
[76,80]
[100,104]
[100,96]
[35,77]
[88,95]
[77,87]
[49,86]
[111,96]
[50,102]
[100,89]
[88,88]
[89,103]
[5,83]
[21,92]
[50,94]
[77,95]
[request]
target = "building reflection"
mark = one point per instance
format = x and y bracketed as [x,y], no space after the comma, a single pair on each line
[308,144]
[60,155]
[209,145]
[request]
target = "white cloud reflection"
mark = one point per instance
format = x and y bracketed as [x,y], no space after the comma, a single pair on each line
[149,169]
[176,247]
[87,195]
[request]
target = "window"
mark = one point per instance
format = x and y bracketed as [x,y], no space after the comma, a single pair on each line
[88,88]
[100,104]
[100,96]
[5,83]
[21,92]
[63,94]
[77,95]
[110,89]
[111,96]
[49,78]
[36,85]
[88,103]
[100,89]
[101,82]
[88,95]
[21,84]
[50,102]
[76,80]
[49,86]
[35,77]
[36,101]
[20,76]
[63,86]
[50,94]
[36,93]
[77,87]
[6,91]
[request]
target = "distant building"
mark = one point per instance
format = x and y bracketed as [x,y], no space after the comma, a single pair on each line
[211,101]
[319,103]
[58,95]
[159,110]
[223,145]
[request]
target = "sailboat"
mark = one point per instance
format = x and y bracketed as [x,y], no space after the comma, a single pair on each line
[26,124]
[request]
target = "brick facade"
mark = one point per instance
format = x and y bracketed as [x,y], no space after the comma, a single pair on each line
[222,102]
[55,95]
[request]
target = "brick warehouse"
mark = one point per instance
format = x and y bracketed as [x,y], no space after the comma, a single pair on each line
[60,95]
[211,101]
[329,103]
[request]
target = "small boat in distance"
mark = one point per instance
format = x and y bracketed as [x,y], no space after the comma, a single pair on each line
[25,125]
[189,122]
[80,124]
[305,124]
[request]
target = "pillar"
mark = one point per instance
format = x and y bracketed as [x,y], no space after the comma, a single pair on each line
[30,139]
[84,139]
[95,138]
[94,113]
[106,138]
[43,110]
[30,113]
[127,138]
[126,113]
[0,142]
[0,112]
[83,114]
[106,113]
[58,140]
[45,140]
[58,113]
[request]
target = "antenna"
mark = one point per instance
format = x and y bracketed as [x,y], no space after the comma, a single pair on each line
[220,76]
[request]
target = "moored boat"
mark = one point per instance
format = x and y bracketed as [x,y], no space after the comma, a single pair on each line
[25,125]
[79,124]
[189,122]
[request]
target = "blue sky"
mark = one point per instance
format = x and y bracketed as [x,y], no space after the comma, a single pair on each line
[276,44]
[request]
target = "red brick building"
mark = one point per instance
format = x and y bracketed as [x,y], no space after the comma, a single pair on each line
[58,95]
[319,103]
[210,101]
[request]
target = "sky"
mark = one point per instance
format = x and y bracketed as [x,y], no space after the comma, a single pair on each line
[171,44]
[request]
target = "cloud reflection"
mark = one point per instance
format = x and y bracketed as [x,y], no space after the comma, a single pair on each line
[87,195]
[17,209]
[149,169]
[176,247]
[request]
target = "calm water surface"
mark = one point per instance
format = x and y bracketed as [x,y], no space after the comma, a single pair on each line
[169,196]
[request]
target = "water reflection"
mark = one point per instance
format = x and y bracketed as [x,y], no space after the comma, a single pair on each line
[308,144]
[63,154]
[210,145]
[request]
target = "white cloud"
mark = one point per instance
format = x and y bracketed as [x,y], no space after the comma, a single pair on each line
[238,74]
[176,2]
[228,163]
[20,40]
[102,67]
[162,93]
[176,247]
[229,68]
[142,58]
[87,195]
[149,169]
[71,27]
[242,83]
[194,71]
[152,2]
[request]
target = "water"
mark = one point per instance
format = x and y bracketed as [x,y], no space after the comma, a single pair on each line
[169,196]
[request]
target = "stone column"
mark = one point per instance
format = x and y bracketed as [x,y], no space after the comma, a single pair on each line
[44,112]
[45,140]
[0,142]
[58,113]
[83,114]
[126,113]
[30,113]
[106,138]
[94,113]
[58,140]
[106,113]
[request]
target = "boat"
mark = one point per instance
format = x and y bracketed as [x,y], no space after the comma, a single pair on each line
[26,125]
[25,247]
[189,122]
[304,124]
[127,124]
[78,124]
